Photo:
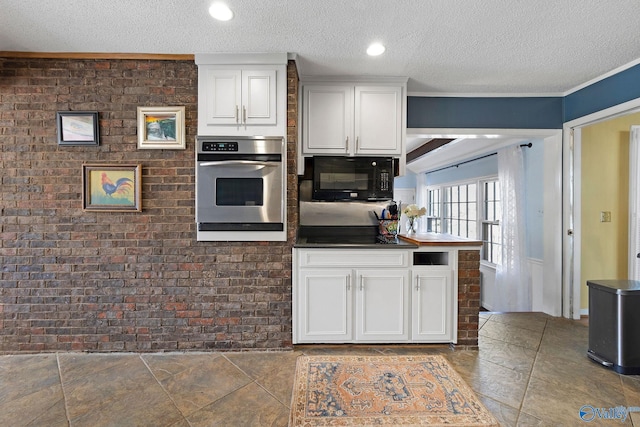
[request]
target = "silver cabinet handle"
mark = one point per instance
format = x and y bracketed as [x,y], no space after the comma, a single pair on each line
[237,117]
[349,282]
[417,283]
[347,143]
[244,114]
[357,140]
[361,283]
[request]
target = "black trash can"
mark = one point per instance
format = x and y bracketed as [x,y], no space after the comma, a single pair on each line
[614,324]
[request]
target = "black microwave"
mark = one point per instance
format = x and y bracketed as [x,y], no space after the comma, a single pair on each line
[339,178]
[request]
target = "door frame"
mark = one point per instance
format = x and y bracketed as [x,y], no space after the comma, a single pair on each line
[572,144]
[552,293]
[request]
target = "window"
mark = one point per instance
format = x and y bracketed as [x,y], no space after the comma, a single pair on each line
[472,210]
[434,220]
[491,232]
[461,210]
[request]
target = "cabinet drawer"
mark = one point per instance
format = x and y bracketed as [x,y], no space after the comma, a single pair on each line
[352,258]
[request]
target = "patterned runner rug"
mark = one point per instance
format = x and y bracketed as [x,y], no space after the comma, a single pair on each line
[383,390]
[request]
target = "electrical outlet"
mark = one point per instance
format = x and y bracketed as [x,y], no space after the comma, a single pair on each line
[605,216]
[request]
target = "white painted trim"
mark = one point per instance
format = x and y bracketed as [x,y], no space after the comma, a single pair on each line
[603,76]
[552,220]
[241,58]
[478,133]
[536,276]
[355,79]
[633,231]
[606,114]
[584,312]
[571,276]
[484,95]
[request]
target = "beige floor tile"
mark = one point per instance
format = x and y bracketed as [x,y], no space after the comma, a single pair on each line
[23,375]
[564,343]
[511,334]
[505,354]
[406,350]
[315,350]
[195,381]
[526,420]
[79,365]
[560,404]
[520,386]
[123,393]
[631,388]
[481,321]
[44,407]
[504,385]
[530,321]
[273,371]
[249,406]
[506,415]
[585,376]
[30,391]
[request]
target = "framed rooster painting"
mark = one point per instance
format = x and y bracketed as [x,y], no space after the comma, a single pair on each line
[112,188]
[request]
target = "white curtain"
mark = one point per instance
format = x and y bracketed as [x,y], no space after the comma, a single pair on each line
[421,200]
[513,290]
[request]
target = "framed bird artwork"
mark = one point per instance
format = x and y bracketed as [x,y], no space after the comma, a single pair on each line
[112,188]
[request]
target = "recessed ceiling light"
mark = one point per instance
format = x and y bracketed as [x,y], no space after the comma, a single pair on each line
[220,11]
[375,49]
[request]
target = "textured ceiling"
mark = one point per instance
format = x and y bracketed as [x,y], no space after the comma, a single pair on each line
[443,46]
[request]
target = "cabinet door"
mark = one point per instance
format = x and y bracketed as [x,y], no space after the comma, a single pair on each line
[327,119]
[223,93]
[378,120]
[432,306]
[324,305]
[258,97]
[382,305]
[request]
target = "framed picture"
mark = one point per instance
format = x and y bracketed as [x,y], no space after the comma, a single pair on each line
[112,188]
[161,128]
[77,128]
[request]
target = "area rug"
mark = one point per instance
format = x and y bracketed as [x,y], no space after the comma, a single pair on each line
[383,390]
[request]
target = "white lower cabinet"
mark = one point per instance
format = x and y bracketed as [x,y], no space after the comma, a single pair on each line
[382,305]
[370,296]
[431,305]
[324,303]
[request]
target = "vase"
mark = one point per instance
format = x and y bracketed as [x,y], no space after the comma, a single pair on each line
[413,226]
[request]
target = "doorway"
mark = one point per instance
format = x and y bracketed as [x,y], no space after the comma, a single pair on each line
[597,211]
[478,142]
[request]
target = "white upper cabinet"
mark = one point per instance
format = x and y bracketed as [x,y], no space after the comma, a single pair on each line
[378,120]
[247,98]
[327,118]
[351,119]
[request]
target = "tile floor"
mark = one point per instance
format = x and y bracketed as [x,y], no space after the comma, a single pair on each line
[530,370]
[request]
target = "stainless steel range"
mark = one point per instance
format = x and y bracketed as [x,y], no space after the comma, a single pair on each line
[240,188]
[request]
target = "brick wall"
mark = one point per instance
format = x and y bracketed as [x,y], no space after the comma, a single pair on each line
[99,281]
[468,298]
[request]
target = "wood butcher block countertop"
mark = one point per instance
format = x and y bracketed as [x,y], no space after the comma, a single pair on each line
[436,239]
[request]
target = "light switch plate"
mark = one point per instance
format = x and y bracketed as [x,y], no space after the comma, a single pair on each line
[605,216]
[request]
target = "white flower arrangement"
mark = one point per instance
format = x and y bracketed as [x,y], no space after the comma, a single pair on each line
[412,211]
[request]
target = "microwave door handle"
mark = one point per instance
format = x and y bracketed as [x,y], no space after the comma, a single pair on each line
[239,162]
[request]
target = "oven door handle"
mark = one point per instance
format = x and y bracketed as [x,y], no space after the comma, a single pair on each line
[239,162]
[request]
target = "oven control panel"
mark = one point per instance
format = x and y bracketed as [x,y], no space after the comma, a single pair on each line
[209,146]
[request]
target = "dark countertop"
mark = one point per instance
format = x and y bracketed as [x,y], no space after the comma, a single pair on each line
[394,244]
[338,237]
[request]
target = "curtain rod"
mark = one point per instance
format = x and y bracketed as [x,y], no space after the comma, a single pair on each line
[529,145]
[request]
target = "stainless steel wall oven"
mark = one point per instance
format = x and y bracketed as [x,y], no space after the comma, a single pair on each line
[240,185]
